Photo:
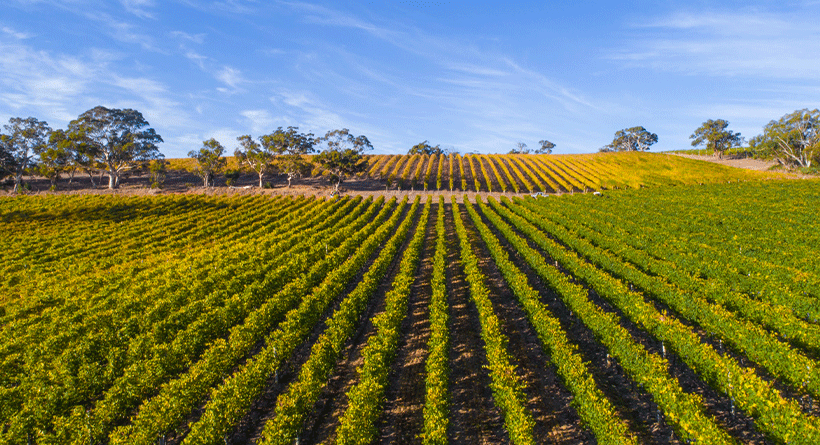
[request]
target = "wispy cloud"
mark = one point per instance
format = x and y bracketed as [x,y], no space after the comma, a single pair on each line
[16,34]
[139,7]
[231,77]
[58,87]
[487,91]
[124,31]
[303,107]
[195,38]
[743,43]
[37,81]
[198,59]
[262,121]
[232,6]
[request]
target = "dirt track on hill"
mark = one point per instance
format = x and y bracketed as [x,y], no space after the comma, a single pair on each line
[740,162]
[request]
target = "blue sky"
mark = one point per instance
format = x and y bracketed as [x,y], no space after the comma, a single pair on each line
[473,76]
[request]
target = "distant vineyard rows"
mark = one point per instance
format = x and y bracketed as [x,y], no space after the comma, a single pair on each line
[536,173]
[546,173]
[686,313]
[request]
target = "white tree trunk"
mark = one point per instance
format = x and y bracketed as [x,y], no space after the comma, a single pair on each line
[18,179]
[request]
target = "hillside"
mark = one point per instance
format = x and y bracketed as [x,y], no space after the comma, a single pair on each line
[521,173]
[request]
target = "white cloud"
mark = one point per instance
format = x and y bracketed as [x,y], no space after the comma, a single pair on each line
[57,88]
[485,92]
[195,38]
[138,7]
[744,43]
[16,34]
[308,110]
[186,142]
[231,77]
[262,121]
[196,58]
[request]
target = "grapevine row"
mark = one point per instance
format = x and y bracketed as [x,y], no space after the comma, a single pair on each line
[594,408]
[364,400]
[297,401]
[508,389]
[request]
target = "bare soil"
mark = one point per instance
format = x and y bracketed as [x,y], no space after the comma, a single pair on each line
[736,423]
[547,399]
[402,420]
[739,161]
[474,418]
[320,425]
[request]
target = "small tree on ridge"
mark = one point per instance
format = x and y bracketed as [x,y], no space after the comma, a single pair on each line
[209,161]
[344,155]
[714,135]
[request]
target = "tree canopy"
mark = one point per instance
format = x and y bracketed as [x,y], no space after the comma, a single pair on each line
[55,159]
[209,161]
[117,139]
[520,149]
[716,137]
[545,147]
[424,148]
[25,139]
[343,154]
[290,148]
[794,139]
[255,156]
[631,139]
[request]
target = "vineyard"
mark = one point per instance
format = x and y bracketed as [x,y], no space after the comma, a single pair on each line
[687,314]
[531,173]
[546,173]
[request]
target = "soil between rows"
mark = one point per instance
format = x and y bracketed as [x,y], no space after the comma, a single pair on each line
[717,405]
[252,424]
[320,425]
[549,402]
[402,419]
[474,418]
[633,405]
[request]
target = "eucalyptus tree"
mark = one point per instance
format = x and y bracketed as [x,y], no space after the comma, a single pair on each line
[116,140]
[545,147]
[716,137]
[55,159]
[792,139]
[290,149]
[209,161]
[343,154]
[258,158]
[424,148]
[81,154]
[25,139]
[631,139]
[520,149]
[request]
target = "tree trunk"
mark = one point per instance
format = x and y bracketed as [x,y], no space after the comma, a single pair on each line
[289,178]
[18,179]
[91,176]
[112,183]
[260,180]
